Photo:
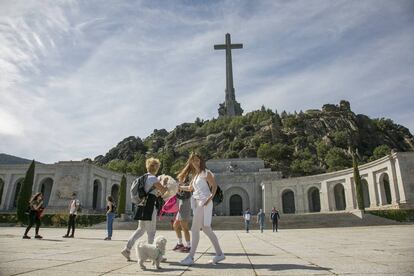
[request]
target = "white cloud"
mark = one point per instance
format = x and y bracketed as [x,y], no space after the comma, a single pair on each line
[77,77]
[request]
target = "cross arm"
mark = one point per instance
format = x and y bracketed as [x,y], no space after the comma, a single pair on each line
[220,47]
[236,46]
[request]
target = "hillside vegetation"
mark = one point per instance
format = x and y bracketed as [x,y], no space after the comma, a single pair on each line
[304,143]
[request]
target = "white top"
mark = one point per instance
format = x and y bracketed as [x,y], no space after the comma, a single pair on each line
[151,180]
[73,204]
[201,189]
[247,216]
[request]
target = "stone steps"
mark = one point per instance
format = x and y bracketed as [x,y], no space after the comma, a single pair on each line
[295,221]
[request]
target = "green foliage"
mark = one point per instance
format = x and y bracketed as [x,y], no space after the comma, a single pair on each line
[380,151]
[304,163]
[122,197]
[397,215]
[25,193]
[337,159]
[58,220]
[358,184]
[117,165]
[341,139]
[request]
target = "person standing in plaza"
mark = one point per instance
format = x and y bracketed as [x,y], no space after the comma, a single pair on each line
[261,219]
[148,222]
[274,218]
[181,222]
[247,216]
[73,212]
[110,215]
[35,214]
[204,187]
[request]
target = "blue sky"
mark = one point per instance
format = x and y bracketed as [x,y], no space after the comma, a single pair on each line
[76,77]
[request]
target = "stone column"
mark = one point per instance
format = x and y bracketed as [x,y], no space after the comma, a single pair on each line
[349,196]
[381,192]
[299,200]
[324,197]
[7,192]
[395,195]
[373,190]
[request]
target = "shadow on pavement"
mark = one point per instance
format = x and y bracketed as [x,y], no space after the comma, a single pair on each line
[270,267]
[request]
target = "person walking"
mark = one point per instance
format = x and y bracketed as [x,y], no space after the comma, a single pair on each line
[35,213]
[274,218]
[181,222]
[147,223]
[204,187]
[110,215]
[261,219]
[247,216]
[74,205]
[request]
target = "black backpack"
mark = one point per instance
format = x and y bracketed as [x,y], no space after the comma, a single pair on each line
[218,197]
[138,194]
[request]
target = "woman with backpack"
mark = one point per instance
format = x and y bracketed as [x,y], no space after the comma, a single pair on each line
[110,215]
[204,187]
[181,222]
[147,220]
[35,213]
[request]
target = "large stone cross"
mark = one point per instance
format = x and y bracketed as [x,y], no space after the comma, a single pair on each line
[230,101]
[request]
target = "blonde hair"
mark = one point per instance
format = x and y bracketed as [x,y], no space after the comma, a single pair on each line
[189,168]
[153,165]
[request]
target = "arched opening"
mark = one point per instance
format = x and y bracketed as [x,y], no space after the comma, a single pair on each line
[385,189]
[288,202]
[96,201]
[1,190]
[365,192]
[314,200]
[339,193]
[115,192]
[17,191]
[236,205]
[46,189]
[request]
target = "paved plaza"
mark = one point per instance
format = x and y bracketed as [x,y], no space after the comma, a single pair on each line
[378,250]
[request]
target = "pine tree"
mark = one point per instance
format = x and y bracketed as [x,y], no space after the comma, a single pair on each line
[358,184]
[122,196]
[25,193]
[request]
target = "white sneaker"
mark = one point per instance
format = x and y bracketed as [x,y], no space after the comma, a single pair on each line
[187,261]
[126,253]
[217,259]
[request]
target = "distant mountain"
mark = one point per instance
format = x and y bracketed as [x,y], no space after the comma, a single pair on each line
[12,160]
[304,143]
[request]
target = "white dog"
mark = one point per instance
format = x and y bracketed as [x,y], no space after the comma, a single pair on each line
[170,184]
[154,252]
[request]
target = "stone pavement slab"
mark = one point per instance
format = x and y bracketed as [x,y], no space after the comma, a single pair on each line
[374,250]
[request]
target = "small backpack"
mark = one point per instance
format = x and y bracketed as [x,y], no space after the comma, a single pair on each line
[170,206]
[138,194]
[218,197]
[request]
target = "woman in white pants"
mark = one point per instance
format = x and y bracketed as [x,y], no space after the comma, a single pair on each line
[204,188]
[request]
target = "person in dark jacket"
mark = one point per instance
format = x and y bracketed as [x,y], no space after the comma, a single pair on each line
[274,218]
[35,213]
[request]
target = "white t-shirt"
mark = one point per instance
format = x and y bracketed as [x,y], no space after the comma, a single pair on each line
[247,216]
[201,189]
[151,180]
[73,204]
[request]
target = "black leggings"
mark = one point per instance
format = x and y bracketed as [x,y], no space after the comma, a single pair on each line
[71,224]
[275,226]
[33,219]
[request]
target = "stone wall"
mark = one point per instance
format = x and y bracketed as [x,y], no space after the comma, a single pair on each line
[60,180]
[389,184]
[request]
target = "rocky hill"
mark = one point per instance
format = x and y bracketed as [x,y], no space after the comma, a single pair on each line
[304,143]
[12,160]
